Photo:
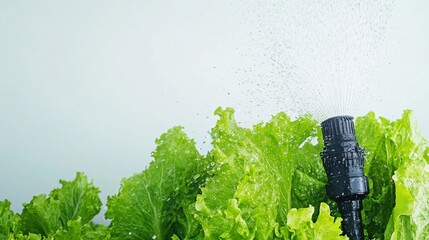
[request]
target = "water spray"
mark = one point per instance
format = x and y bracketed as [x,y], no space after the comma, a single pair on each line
[343,161]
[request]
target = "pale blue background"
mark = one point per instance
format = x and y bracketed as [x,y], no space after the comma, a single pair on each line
[88,85]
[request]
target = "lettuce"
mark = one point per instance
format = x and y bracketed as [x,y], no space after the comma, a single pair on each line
[8,220]
[292,151]
[76,229]
[158,202]
[65,214]
[239,200]
[76,199]
[301,225]
[264,182]
[243,189]
[393,150]
[21,236]
[410,219]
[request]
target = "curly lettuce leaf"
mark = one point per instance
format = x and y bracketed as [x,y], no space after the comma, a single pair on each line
[239,200]
[389,146]
[41,216]
[21,236]
[75,199]
[8,220]
[292,149]
[369,132]
[157,202]
[76,229]
[410,218]
[301,225]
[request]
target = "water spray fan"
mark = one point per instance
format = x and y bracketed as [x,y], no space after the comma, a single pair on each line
[343,160]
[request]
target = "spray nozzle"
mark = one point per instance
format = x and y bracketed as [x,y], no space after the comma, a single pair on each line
[343,161]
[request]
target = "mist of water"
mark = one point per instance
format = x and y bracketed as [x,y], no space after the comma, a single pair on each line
[316,56]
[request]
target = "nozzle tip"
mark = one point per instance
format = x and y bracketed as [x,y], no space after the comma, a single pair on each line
[338,128]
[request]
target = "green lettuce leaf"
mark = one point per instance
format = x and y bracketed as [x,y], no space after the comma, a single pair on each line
[301,225]
[8,220]
[41,216]
[78,230]
[75,199]
[21,236]
[293,152]
[239,200]
[410,218]
[369,132]
[157,203]
[389,146]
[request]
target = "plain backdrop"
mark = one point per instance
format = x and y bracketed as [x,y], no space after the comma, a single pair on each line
[88,85]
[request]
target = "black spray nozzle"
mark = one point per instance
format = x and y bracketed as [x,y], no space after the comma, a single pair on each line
[343,161]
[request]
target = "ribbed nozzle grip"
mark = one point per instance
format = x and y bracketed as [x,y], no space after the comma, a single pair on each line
[338,128]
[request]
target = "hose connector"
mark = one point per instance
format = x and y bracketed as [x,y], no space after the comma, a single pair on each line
[343,161]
